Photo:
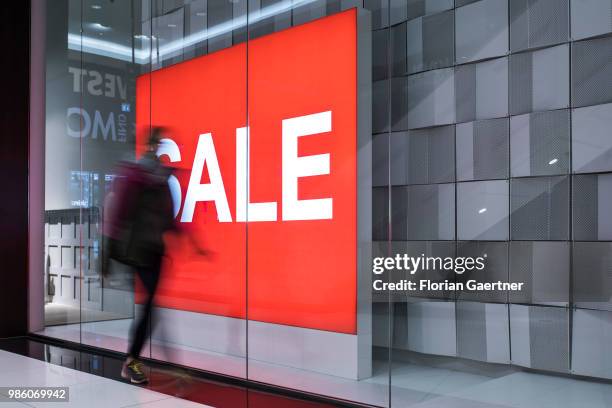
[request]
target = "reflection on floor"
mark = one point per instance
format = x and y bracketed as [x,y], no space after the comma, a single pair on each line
[94,381]
[85,390]
[414,385]
[58,314]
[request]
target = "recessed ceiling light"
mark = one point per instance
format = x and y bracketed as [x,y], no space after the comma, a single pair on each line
[482,210]
[96,6]
[141,37]
[172,25]
[553,161]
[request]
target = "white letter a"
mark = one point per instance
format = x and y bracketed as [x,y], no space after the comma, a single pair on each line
[214,191]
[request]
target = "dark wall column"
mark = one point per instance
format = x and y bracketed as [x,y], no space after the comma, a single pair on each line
[14,125]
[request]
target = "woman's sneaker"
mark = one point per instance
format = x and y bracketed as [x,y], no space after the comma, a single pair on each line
[134,371]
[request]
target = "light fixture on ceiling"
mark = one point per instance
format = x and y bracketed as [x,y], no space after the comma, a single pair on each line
[172,25]
[553,161]
[99,27]
[96,6]
[482,210]
[143,55]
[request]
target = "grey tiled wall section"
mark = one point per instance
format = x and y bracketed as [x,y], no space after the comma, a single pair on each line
[527,98]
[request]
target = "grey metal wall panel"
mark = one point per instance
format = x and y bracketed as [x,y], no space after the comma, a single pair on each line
[540,208]
[492,89]
[399,49]
[438,40]
[465,92]
[591,141]
[380,106]
[592,263]
[498,335]
[540,337]
[482,332]
[432,327]
[539,143]
[380,213]
[398,11]
[414,42]
[441,249]
[591,72]
[441,153]
[400,104]
[549,338]
[380,55]
[519,335]
[430,212]
[591,339]
[430,157]
[400,154]
[419,8]
[482,150]
[591,198]
[544,268]
[496,269]
[539,80]
[481,30]
[430,98]
[380,160]
[482,90]
[521,83]
[538,23]
[482,210]
[379,10]
[491,149]
[590,18]
[471,331]
[585,207]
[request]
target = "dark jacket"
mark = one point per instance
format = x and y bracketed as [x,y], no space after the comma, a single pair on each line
[142,212]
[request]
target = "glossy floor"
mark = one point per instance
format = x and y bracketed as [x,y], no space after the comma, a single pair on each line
[94,381]
[414,384]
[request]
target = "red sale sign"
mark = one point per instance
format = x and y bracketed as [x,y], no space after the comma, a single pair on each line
[266,157]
